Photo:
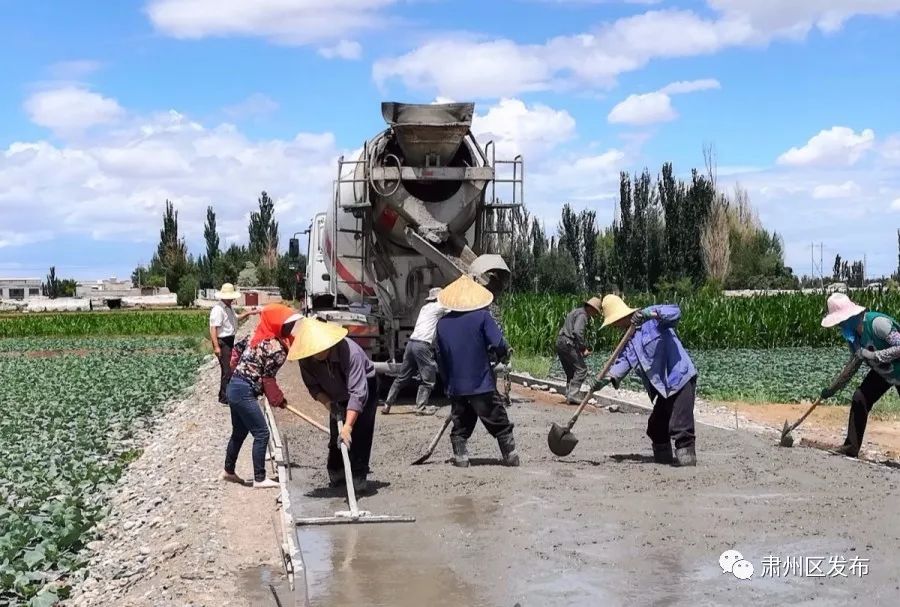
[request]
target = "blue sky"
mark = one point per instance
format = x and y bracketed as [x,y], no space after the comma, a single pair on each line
[110,108]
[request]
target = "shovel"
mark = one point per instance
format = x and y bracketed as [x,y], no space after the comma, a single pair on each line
[561,440]
[434,442]
[846,373]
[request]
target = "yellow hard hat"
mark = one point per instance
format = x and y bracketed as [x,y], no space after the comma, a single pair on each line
[465,295]
[312,336]
[614,309]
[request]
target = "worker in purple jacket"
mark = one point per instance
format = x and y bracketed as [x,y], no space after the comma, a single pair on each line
[668,374]
[468,338]
[339,375]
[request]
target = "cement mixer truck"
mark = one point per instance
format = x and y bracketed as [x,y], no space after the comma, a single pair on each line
[415,209]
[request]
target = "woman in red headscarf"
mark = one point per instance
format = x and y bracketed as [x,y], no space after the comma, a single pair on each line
[258,360]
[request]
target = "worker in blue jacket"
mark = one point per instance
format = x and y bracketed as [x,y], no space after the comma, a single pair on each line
[657,355]
[468,338]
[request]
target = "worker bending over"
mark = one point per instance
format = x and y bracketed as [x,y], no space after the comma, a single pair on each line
[418,357]
[339,375]
[668,374]
[571,347]
[467,338]
[874,339]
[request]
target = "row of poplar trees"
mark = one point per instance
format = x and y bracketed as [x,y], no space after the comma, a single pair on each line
[667,235]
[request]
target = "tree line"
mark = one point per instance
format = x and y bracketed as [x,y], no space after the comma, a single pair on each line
[258,263]
[668,235]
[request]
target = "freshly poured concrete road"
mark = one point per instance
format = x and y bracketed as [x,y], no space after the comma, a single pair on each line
[604,526]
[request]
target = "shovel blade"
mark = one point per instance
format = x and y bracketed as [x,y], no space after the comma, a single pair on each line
[561,440]
[786,439]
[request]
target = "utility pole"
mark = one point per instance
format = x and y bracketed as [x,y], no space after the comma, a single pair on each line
[822,263]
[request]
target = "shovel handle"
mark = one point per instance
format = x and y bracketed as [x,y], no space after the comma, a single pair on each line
[609,363]
[308,420]
[805,415]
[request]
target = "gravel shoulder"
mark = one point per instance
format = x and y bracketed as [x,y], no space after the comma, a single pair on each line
[176,535]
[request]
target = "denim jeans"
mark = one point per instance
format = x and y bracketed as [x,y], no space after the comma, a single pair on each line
[246,417]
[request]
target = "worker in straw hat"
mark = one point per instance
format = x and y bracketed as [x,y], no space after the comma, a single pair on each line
[223,325]
[874,339]
[657,355]
[467,338]
[339,375]
[571,346]
[259,358]
[418,357]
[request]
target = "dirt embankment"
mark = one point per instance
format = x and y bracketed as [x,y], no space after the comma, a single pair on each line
[177,535]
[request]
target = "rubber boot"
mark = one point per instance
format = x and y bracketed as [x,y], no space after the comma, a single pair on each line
[335,478]
[508,449]
[685,456]
[856,428]
[662,453]
[360,484]
[460,453]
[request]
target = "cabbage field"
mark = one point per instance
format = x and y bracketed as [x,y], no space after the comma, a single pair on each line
[69,409]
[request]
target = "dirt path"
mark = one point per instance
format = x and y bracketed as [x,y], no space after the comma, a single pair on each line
[604,526]
[177,535]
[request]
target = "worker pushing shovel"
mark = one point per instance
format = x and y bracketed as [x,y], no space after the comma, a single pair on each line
[874,339]
[466,338]
[668,374]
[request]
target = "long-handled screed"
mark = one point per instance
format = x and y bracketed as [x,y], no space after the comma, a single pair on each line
[308,420]
[843,377]
[561,439]
[434,442]
[354,514]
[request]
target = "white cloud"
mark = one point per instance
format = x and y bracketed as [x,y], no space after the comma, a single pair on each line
[890,150]
[848,189]
[516,128]
[71,109]
[837,146]
[641,110]
[895,206]
[463,69]
[257,104]
[595,58]
[289,22]
[345,49]
[112,184]
[797,17]
[691,86]
[17,239]
[656,107]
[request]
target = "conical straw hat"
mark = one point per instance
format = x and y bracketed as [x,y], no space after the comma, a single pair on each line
[614,309]
[595,303]
[465,295]
[312,336]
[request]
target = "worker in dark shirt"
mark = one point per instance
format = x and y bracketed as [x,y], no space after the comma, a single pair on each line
[571,347]
[467,338]
[339,375]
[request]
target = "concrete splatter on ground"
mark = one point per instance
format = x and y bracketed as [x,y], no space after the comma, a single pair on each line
[604,526]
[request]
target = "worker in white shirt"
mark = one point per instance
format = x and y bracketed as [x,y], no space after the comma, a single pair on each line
[223,324]
[419,357]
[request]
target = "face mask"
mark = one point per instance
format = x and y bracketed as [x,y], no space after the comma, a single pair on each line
[848,329]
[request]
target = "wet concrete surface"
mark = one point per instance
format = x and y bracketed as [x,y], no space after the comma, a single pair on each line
[604,526]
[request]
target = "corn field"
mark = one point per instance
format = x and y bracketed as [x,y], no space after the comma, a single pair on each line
[75,324]
[531,321]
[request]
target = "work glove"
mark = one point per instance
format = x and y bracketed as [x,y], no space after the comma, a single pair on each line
[346,434]
[827,393]
[866,354]
[641,316]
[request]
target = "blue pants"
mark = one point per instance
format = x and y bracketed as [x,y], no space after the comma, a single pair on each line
[246,417]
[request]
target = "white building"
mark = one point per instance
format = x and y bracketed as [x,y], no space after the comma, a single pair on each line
[107,287]
[20,288]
